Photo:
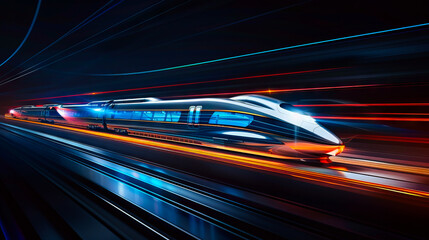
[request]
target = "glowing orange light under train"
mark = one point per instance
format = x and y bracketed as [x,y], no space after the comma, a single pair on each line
[314,147]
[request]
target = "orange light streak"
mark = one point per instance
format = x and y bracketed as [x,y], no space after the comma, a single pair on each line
[338,168]
[381,165]
[250,162]
[311,147]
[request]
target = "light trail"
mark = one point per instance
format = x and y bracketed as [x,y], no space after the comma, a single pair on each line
[405,114]
[362,105]
[26,72]
[256,53]
[186,84]
[381,165]
[251,162]
[270,91]
[230,24]
[74,29]
[394,138]
[26,35]
[373,118]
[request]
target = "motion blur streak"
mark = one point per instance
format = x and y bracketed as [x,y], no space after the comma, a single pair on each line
[270,91]
[233,23]
[374,118]
[257,53]
[408,114]
[74,29]
[362,105]
[394,138]
[338,168]
[27,71]
[250,162]
[381,165]
[188,83]
[26,35]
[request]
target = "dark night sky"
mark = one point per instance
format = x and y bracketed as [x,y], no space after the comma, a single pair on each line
[173,33]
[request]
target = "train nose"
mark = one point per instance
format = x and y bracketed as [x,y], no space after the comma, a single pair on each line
[332,145]
[321,132]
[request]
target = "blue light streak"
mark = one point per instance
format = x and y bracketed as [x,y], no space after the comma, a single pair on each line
[26,36]
[26,72]
[3,232]
[230,24]
[256,53]
[74,29]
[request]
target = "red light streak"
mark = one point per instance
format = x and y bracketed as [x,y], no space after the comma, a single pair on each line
[270,91]
[374,118]
[362,105]
[189,83]
[394,138]
[73,103]
[408,114]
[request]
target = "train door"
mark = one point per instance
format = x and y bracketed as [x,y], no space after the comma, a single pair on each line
[106,111]
[45,114]
[194,116]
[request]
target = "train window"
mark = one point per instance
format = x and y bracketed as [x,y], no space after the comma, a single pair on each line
[116,114]
[127,114]
[197,114]
[147,115]
[231,119]
[92,114]
[159,116]
[136,115]
[113,116]
[122,115]
[173,116]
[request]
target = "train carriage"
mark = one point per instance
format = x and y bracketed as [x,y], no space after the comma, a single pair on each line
[252,122]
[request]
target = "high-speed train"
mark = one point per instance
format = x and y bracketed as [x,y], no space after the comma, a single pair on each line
[248,123]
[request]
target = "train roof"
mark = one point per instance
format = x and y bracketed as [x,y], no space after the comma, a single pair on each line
[38,106]
[128,100]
